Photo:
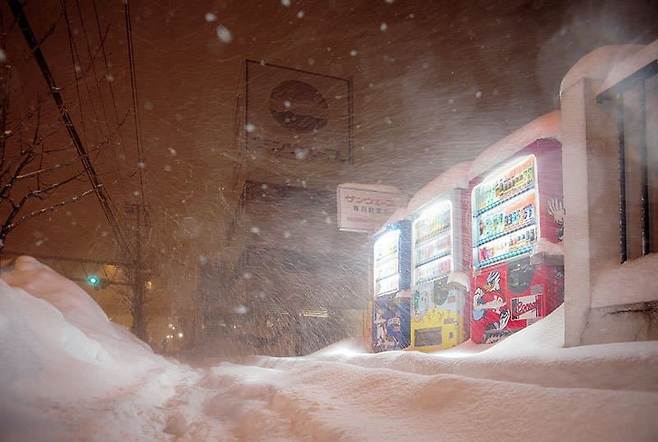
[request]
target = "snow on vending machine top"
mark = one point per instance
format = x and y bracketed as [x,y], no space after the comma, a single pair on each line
[516,211]
[437,295]
[391,280]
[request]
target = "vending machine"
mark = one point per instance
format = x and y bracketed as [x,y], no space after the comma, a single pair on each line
[437,306]
[391,281]
[516,209]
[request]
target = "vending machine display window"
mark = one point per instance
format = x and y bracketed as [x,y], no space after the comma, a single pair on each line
[386,263]
[432,243]
[506,214]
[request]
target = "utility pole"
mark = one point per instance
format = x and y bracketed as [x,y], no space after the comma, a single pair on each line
[141,221]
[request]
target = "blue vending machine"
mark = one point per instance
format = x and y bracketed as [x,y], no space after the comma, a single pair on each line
[391,272]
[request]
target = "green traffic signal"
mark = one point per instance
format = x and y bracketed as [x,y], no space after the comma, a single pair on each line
[93,281]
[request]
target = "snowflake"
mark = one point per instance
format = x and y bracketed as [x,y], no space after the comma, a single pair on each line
[210,17]
[286,3]
[255,230]
[353,52]
[224,34]
[383,27]
[249,127]
[301,153]
[300,14]
[478,94]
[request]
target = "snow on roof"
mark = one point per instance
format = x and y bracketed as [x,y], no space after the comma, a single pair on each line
[455,177]
[630,65]
[597,64]
[546,126]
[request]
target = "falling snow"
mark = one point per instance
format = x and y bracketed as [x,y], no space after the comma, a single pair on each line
[224,35]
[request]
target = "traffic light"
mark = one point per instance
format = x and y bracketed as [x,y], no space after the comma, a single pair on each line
[96,281]
[93,281]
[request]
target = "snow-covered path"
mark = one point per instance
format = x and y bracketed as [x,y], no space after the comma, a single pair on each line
[67,373]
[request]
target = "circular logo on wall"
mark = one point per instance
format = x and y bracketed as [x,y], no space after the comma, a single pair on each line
[298,106]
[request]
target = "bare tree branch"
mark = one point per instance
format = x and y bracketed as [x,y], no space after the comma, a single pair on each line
[4,192]
[9,227]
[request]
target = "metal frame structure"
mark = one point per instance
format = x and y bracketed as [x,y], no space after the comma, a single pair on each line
[616,93]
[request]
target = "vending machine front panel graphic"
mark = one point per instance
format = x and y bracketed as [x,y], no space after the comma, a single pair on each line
[511,214]
[391,281]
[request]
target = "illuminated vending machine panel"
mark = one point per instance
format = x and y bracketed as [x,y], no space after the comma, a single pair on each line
[391,277]
[436,310]
[510,291]
[506,215]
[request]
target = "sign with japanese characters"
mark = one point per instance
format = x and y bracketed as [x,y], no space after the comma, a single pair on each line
[364,208]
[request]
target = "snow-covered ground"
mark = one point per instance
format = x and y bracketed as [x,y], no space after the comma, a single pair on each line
[68,373]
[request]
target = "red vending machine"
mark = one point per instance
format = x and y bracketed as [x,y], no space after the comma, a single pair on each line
[517,214]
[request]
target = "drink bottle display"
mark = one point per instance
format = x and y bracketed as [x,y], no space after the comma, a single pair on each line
[514,181]
[505,220]
[432,243]
[386,262]
[432,270]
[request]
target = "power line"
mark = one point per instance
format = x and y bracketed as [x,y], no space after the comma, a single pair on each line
[99,190]
[99,89]
[135,98]
[76,65]
[108,74]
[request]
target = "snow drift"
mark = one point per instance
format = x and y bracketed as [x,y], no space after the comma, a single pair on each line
[68,373]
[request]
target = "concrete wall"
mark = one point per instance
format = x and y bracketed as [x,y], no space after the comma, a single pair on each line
[605,301]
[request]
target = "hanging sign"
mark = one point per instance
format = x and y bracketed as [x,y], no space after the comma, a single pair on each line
[365,207]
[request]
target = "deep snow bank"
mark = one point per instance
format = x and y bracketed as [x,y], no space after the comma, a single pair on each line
[67,373]
[58,349]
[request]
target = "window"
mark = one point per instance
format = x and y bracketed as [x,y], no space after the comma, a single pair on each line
[636,100]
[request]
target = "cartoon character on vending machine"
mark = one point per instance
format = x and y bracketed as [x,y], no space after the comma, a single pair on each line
[421,304]
[490,311]
[380,324]
[556,210]
[394,331]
